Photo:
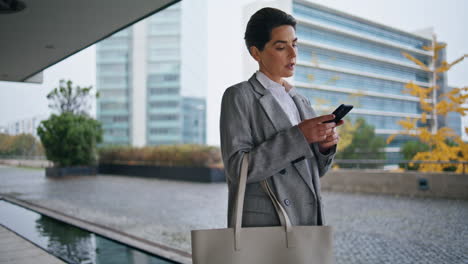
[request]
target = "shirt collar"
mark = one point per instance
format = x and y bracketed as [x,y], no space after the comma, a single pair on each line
[270,84]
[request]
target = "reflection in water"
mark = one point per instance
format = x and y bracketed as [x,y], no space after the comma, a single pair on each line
[68,242]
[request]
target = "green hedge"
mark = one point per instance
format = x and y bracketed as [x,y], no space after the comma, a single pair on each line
[70,139]
[164,155]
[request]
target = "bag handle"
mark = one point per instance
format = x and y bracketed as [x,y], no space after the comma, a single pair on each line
[239,206]
[271,195]
[282,214]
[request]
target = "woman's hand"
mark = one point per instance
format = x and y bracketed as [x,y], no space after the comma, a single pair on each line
[331,140]
[315,131]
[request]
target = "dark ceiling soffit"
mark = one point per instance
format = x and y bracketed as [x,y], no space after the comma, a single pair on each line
[149,14]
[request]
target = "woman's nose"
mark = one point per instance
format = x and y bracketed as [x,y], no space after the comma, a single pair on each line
[292,52]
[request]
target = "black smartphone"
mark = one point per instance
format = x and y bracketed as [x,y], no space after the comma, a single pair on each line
[340,112]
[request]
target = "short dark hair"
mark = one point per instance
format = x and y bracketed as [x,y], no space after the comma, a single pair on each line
[260,25]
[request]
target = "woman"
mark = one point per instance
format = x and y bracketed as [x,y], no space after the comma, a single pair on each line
[289,146]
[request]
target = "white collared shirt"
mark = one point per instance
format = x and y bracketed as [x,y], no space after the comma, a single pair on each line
[283,97]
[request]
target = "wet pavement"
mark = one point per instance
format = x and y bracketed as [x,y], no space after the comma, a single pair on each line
[17,250]
[368,228]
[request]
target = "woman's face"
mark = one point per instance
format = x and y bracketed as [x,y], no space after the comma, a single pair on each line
[278,58]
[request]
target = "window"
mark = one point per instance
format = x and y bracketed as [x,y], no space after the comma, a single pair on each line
[115,119]
[157,91]
[165,130]
[113,68]
[116,132]
[159,117]
[113,106]
[164,104]
[113,93]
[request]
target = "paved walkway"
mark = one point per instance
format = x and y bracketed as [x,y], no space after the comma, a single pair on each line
[368,228]
[16,250]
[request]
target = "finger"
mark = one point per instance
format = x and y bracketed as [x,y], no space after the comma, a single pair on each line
[329,144]
[325,126]
[331,138]
[341,122]
[323,118]
[324,134]
[325,129]
[319,137]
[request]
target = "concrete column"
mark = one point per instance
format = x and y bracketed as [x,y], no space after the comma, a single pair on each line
[139,100]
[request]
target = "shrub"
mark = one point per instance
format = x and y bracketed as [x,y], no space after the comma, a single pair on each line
[164,155]
[70,139]
[409,149]
[365,145]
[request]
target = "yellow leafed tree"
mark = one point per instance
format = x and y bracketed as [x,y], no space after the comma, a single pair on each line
[432,107]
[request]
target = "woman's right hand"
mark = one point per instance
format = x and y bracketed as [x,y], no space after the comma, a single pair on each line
[315,130]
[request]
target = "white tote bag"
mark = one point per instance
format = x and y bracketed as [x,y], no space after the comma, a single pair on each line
[285,244]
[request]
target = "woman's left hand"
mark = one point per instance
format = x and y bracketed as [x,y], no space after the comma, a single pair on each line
[331,140]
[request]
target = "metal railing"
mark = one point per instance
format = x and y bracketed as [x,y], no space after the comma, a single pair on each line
[360,162]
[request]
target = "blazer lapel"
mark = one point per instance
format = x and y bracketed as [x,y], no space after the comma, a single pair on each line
[272,108]
[301,166]
[280,121]
[301,105]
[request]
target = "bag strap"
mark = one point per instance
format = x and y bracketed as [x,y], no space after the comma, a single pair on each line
[282,214]
[239,206]
[271,195]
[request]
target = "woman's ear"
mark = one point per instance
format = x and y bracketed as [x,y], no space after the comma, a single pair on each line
[255,53]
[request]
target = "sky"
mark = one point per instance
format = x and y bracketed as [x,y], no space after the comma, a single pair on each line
[448,18]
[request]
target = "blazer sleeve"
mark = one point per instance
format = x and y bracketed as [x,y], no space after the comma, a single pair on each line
[266,158]
[324,161]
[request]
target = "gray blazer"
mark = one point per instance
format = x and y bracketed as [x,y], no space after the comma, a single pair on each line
[253,121]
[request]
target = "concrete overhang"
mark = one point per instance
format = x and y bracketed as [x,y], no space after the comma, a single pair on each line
[46,32]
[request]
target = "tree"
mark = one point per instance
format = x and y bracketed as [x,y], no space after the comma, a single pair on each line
[409,149]
[70,138]
[20,145]
[452,101]
[65,98]
[346,132]
[6,144]
[364,145]
[24,145]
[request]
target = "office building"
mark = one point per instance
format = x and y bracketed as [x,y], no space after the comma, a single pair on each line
[347,59]
[151,80]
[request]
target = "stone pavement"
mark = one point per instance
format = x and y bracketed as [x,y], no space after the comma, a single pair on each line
[16,250]
[368,228]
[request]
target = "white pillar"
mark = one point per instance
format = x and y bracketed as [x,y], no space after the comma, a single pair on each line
[138,98]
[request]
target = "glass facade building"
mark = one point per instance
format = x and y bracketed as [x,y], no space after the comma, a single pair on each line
[343,59]
[194,121]
[155,73]
[114,85]
[163,78]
